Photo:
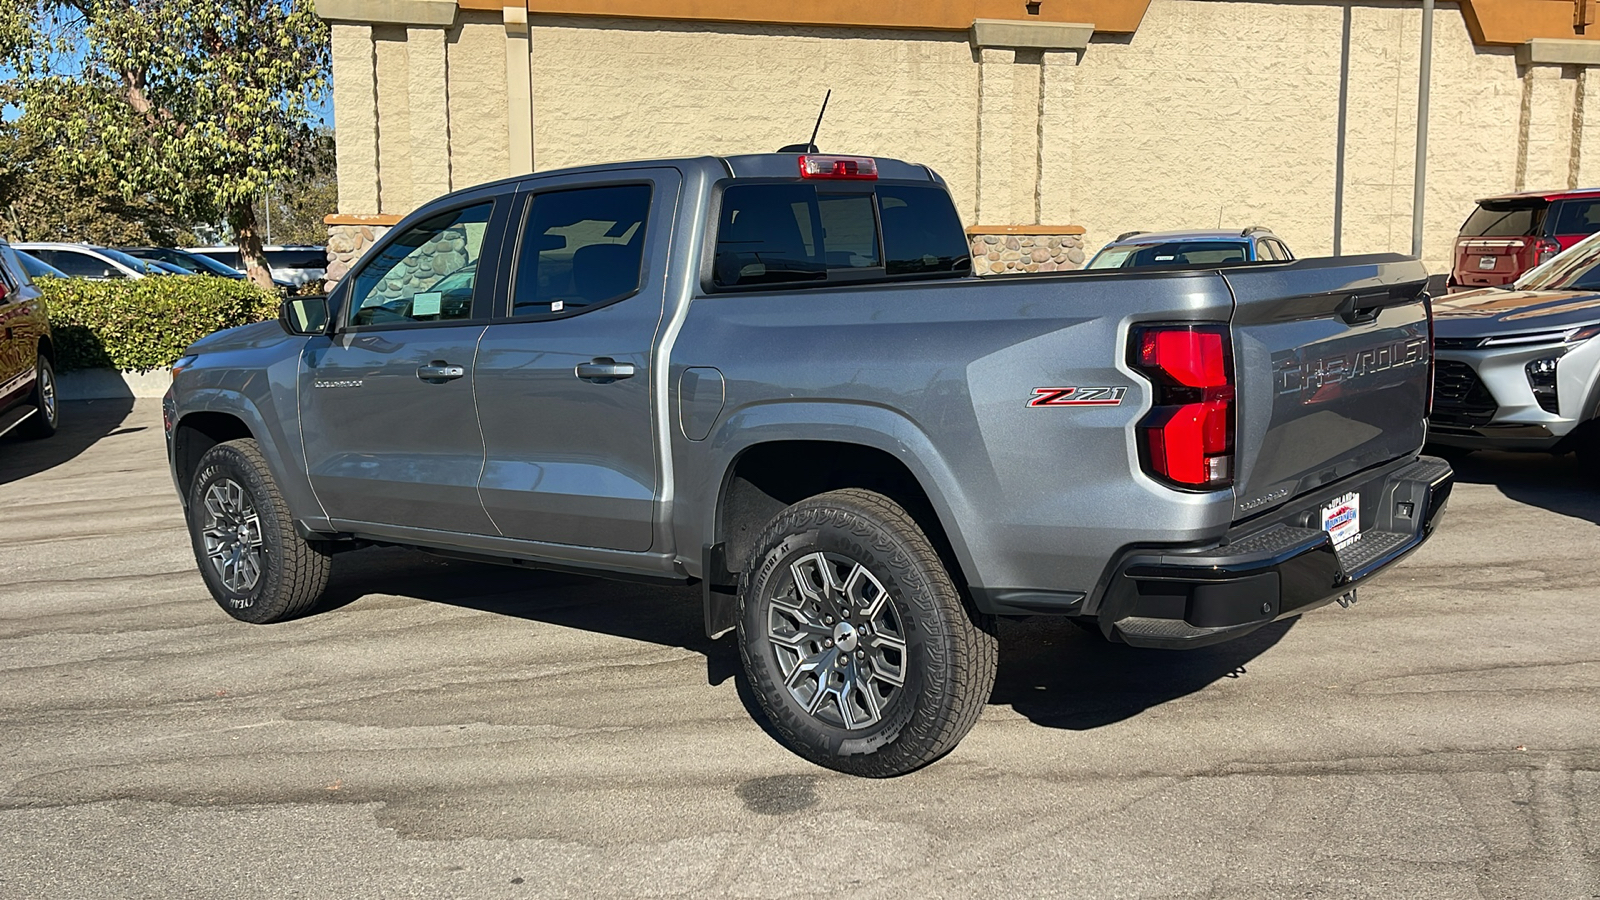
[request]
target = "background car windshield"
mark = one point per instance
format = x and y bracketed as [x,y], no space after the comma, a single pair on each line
[1505,218]
[202,261]
[1171,253]
[1576,269]
[137,265]
[38,268]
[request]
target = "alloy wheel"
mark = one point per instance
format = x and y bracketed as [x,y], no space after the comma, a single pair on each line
[232,533]
[839,640]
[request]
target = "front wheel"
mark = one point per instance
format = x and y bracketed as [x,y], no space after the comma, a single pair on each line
[257,567]
[857,644]
[47,419]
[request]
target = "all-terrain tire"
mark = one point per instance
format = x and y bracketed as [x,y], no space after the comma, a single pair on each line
[258,569]
[888,576]
[43,423]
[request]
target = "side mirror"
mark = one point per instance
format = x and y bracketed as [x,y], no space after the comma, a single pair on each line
[304,315]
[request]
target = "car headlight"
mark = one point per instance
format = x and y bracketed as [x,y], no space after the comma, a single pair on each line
[1542,378]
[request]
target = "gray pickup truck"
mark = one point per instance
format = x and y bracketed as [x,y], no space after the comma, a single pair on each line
[774,375]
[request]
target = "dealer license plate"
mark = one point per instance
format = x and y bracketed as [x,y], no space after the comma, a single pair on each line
[1486,262]
[1341,519]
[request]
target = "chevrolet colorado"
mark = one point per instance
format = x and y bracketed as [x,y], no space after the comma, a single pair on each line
[775,376]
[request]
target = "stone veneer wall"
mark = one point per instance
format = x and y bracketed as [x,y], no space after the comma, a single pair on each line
[346,243]
[1007,251]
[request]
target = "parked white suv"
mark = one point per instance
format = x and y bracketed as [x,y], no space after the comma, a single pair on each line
[1518,366]
[86,261]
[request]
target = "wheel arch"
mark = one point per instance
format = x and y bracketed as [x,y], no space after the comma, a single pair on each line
[763,478]
[197,432]
[47,349]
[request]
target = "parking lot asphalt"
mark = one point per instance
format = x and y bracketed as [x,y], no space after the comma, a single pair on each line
[461,730]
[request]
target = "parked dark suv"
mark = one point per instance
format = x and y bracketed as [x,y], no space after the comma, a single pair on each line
[27,373]
[1508,235]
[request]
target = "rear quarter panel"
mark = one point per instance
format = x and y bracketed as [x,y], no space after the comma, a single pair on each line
[940,375]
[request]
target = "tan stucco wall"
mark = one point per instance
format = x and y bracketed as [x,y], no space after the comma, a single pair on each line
[640,90]
[1212,112]
[477,95]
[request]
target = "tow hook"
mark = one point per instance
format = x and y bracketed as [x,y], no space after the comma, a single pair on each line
[1347,600]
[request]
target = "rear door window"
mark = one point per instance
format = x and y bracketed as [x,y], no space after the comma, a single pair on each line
[1505,218]
[581,249]
[80,265]
[1577,217]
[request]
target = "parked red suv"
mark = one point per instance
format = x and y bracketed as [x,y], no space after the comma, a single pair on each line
[1510,234]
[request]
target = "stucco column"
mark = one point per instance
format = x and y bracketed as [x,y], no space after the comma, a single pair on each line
[430,114]
[1024,94]
[1058,89]
[355,116]
[997,122]
[1555,92]
[519,90]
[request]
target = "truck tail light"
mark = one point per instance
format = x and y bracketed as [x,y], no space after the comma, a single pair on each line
[1187,437]
[1544,249]
[844,168]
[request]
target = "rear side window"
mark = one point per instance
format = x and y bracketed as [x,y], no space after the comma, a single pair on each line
[771,234]
[1577,217]
[1505,218]
[581,249]
[226,257]
[80,265]
[296,259]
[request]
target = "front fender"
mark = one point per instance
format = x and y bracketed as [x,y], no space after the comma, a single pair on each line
[266,402]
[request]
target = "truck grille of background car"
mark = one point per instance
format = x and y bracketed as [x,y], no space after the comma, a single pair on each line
[1459,398]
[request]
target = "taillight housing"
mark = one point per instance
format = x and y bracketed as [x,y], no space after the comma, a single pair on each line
[1544,249]
[840,168]
[1186,440]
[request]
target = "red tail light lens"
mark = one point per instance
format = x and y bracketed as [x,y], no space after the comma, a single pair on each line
[1545,249]
[1187,438]
[845,168]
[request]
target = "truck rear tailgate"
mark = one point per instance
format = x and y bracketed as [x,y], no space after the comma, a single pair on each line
[1346,343]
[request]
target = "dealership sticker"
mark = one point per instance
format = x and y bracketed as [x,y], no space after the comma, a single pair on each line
[1341,519]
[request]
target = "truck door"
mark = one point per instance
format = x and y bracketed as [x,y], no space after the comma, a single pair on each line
[564,381]
[391,432]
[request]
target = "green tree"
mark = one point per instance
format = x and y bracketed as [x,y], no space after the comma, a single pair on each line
[198,104]
[44,198]
[299,206]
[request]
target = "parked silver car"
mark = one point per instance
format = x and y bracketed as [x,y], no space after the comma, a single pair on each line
[1518,366]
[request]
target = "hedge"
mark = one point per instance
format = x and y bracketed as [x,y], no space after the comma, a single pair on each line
[142,324]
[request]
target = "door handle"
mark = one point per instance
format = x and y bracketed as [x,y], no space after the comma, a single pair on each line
[604,370]
[439,371]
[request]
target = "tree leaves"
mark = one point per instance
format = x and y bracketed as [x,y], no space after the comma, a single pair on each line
[202,105]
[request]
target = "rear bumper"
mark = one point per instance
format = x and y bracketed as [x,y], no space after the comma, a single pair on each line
[1269,570]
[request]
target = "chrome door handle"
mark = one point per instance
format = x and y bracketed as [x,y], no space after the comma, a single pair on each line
[439,371]
[604,370]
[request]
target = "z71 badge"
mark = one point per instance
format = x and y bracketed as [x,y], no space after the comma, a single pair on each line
[1078,396]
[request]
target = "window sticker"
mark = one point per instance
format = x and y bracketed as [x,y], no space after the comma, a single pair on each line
[426,303]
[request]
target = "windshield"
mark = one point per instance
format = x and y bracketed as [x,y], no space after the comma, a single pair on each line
[1578,268]
[1170,253]
[38,268]
[137,265]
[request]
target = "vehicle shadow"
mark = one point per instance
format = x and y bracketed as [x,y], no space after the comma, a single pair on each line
[1050,671]
[82,423]
[1059,676]
[1556,483]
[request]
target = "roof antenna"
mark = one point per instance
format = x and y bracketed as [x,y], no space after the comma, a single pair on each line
[812,146]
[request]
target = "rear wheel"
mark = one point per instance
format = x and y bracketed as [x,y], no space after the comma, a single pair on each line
[257,567]
[48,418]
[861,651]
